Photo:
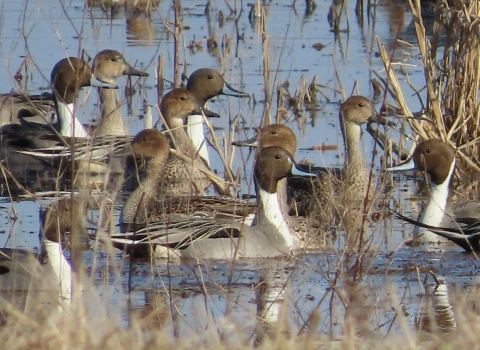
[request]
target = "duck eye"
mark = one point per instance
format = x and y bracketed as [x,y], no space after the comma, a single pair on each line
[429,150]
[360,104]
[114,59]
[274,132]
[278,156]
[145,138]
[210,76]
[183,98]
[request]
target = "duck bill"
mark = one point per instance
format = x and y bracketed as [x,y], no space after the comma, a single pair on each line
[297,171]
[94,81]
[408,165]
[375,118]
[129,70]
[253,142]
[231,91]
[206,112]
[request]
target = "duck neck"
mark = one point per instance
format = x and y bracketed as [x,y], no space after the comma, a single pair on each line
[196,134]
[182,142]
[68,123]
[270,216]
[62,270]
[437,203]
[137,204]
[155,173]
[111,121]
[354,161]
[282,199]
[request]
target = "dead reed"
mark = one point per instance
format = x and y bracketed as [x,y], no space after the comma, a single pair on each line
[348,316]
[450,57]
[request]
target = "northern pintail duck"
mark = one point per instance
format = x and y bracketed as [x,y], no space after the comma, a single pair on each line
[154,148]
[274,135]
[206,83]
[207,239]
[181,177]
[21,270]
[280,135]
[437,159]
[149,203]
[327,197]
[109,65]
[68,76]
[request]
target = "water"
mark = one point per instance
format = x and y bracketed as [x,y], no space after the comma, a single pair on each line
[218,292]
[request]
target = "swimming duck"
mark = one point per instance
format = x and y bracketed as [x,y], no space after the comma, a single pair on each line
[437,159]
[109,65]
[68,76]
[180,177]
[21,270]
[166,173]
[208,239]
[154,147]
[206,83]
[327,197]
[274,135]
[149,201]
[281,135]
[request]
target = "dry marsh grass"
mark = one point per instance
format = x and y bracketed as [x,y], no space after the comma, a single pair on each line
[449,49]
[351,321]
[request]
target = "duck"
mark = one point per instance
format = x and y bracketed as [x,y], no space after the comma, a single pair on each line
[206,83]
[154,148]
[22,270]
[281,135]
[145,204]
[274,135]
[108,65]
[166,173]
[68,76]
[325,198]
[180,177]
[205,238]
[437,159]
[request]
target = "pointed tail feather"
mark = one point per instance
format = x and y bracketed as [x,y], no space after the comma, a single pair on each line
[467,237]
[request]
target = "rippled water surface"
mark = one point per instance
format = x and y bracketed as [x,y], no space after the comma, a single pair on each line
[36,34]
